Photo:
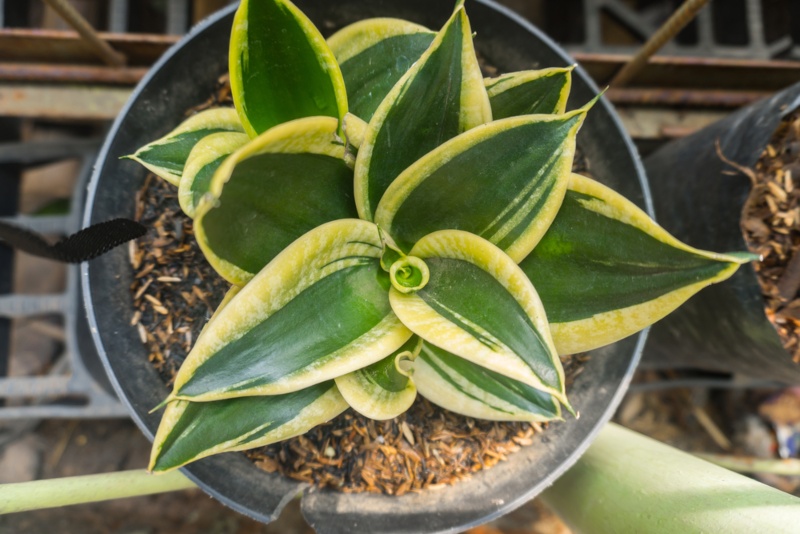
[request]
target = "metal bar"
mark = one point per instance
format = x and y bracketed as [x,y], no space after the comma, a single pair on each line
[177,17]
[63,411]
[685,97]
[34,386]
[670,29]
[76,20]
[629,18]
[33,152]
[19,306]
[73,102]
[755,26]
[697,72]
[118,16]
[43,224]
[62,46]
[35,72]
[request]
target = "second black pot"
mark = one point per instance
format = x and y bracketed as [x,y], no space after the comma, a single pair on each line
[699,199]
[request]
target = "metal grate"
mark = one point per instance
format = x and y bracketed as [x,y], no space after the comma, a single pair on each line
[76,386]
[729,28]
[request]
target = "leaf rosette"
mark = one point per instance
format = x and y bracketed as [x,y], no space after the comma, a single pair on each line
[393,224]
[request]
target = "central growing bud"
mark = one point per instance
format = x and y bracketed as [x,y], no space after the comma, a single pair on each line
[408,274]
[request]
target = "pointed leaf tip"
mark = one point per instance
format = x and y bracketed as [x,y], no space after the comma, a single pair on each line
[441,96]
[605,270]
[281,68]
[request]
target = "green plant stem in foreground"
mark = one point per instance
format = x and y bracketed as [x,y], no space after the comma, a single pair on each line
[626,482]
[84,489]
[749,464]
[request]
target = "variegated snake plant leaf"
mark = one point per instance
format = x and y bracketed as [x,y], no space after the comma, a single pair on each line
[394,224]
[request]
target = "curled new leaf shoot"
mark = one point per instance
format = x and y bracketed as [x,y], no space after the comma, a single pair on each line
[409,274]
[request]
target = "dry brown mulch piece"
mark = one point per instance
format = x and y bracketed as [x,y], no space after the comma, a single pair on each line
[771,226]
[175,292]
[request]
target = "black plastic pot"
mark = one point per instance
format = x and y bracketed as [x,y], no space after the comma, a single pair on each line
[184,77]
[722,328]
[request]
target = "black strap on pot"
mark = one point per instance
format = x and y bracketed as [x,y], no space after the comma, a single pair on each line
[80,246]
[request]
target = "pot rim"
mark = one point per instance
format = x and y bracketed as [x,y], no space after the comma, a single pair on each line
[501,509]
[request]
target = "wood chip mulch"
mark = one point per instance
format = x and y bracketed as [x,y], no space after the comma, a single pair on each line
[174,293]
[771,225]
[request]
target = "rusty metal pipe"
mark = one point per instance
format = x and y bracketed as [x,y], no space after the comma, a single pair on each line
[76,20]
[34,72]
[670,29]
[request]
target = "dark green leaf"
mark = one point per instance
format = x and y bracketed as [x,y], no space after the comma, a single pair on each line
[463,387]
[319,310]
[503,181]
[193,430]
[441,96]
[278,187]
[529,92]
[281,69]
[605,270]
[373,55]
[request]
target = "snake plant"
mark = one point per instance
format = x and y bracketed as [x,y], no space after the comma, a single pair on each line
[394,223]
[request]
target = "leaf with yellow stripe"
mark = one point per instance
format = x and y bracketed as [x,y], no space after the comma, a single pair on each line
[203,161]
[271,191]
[373,55]
[382,390]
[479,305]
[319,310]
[281,68]
[463,387]
[503,181]
[605,270]
[192,430]
[167,156]
[441,96]
[530,92]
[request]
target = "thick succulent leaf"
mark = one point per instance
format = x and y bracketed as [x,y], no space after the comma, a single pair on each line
[381,391]
[373,55]
[319,310]
[276,188]
[478,304]
[463,387]
[193,430]
[441,96]
[167,156]
[530,92]
[281,68]
[503,181]
[605,270]
[203,161]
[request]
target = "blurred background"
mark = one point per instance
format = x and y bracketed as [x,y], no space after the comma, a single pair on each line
[58,416]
